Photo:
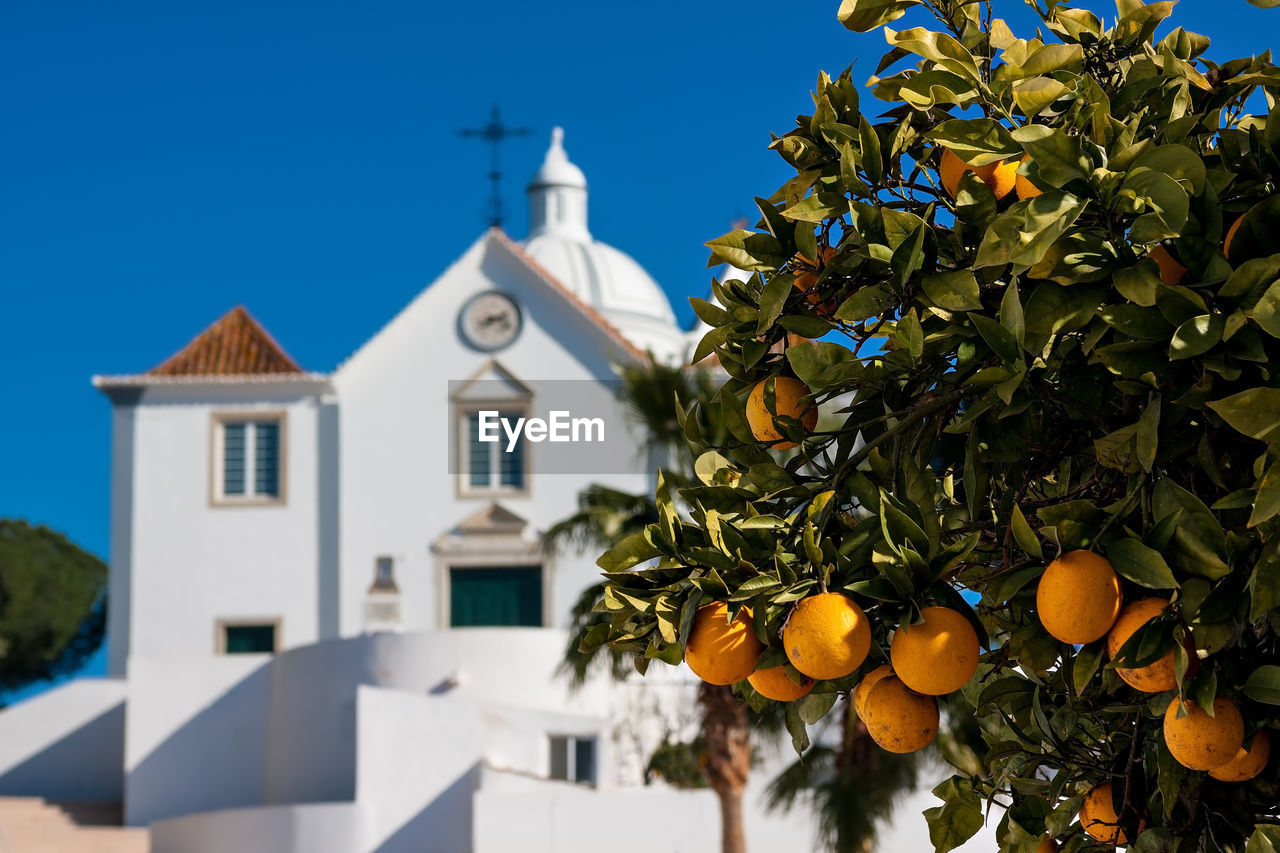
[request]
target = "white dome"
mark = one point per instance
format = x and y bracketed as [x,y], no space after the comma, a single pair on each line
[608,280]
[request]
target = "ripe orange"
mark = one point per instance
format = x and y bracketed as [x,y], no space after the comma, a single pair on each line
[1248,762]
[999,176]
[1023,186]
[1047,845]
[937,656]
[1200,742]
[1171,270]
[1098,816]
[827,636]
[1078,598]
[787,394]
[899,720]
[721,652]
[864,687]
[807,277]
[1153,678]
[774,683]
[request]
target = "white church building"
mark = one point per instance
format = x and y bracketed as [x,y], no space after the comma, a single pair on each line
[333,626]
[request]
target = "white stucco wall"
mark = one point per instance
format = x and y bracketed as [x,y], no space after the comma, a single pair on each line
[397,496]
[66,743]
[322,828]
[121,543]
[195,735]
[191,562]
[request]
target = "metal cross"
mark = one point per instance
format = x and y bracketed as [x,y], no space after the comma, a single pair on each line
[493,133]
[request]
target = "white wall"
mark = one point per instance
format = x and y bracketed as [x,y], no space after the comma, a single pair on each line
[121,543]
[328,828]
[66,743]
[397,495]
[195,735]
[421,760]
[193,563]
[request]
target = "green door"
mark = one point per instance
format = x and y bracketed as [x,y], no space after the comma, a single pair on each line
[495,596]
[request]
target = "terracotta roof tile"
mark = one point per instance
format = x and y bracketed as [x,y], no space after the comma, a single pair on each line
[233,346]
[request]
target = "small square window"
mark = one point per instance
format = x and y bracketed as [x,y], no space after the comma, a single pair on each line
[489,465]
[384,574]
[247,638]
[573,758]
[248,458]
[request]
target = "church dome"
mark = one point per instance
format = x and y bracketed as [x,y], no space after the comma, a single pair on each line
[605,278]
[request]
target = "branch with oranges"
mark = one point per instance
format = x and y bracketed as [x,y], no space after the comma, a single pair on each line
[1004,430]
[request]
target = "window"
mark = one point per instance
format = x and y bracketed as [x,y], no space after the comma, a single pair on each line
[495,596]
[247,638]
[383,578]
[492,466]
[573,758]
[248,459]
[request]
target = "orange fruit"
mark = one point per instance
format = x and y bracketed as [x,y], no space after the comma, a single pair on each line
[827,636]
[1231,232]
[1098,816]
[1249,761]
[1023,186]
[807,278]
[1047,845]
[1153,678]
[864,687]
[897,719]
[999,176]
[1078,598]
[1200,742]
[719,651]
[1171,271]
[787,394]
[937,655]
[774,683]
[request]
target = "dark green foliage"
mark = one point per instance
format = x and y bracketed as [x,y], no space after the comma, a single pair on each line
[1005,379]
[52,604]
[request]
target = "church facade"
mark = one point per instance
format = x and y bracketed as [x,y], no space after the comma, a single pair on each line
[333,624]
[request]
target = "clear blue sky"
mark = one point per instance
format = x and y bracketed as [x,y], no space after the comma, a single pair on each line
[162,162]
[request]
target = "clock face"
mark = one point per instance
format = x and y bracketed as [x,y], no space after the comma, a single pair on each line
[490,320]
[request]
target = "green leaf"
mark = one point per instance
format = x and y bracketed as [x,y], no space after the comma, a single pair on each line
[1002,343]
[749,250]
[1143,565]
[1197,336]
[818,207]
[1255,412]
[631,551]
[953,291]
[864,15]
[977,141]
[1023,534]
[1025,232]
[1057,155]
[958,818]
[1266,836]
[1263,685]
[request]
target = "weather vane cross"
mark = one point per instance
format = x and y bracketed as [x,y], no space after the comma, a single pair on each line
[494,133]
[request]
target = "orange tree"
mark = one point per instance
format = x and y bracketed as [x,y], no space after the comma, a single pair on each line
[1035,297]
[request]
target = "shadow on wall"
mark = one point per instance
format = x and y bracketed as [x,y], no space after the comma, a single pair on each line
[214,760]
[444,826]
[86,764]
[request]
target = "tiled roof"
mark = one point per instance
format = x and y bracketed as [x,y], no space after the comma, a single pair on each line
[233,346]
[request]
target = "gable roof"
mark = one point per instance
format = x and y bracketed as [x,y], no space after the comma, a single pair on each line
[576,301]
[235,345]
